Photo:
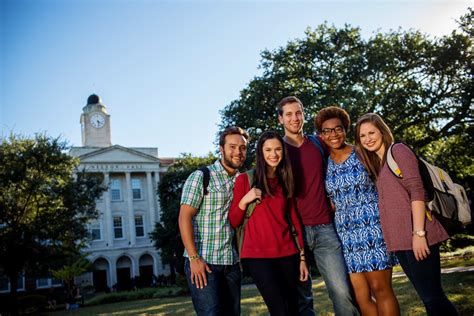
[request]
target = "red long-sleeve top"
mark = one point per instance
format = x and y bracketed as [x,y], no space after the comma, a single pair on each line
[268,233]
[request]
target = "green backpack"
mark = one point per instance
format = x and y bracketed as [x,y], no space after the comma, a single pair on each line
[240,230]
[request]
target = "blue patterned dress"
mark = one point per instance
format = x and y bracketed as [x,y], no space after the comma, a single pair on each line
[357,216]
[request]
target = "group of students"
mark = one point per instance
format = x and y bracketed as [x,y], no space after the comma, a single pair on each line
[338,202]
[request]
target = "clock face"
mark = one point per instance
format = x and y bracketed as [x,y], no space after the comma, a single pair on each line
[97,120]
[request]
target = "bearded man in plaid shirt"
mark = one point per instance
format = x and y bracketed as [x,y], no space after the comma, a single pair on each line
[211,263]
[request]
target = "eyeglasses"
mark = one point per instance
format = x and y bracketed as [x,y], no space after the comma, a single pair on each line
[336,130]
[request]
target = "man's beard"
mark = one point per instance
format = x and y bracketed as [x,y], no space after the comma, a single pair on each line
[229,163]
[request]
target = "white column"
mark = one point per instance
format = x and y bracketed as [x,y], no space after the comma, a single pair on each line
[131,217]
[157,198]
[113,272]
[108,228]
[151,200]
[135,265]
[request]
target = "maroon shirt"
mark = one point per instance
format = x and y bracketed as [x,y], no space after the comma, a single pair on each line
[267,234]
[395,197]
[311,201]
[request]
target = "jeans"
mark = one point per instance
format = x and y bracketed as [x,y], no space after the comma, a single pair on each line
[221,296]
[425,275]
[324,243]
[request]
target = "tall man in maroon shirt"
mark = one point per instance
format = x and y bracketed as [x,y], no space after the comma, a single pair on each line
[313,207]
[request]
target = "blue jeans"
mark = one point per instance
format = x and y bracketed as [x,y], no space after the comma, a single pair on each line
[425,275]
[221,296]
[324,243]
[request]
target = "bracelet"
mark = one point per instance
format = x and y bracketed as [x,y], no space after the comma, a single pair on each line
[302,260]
[301,254]
[194,258]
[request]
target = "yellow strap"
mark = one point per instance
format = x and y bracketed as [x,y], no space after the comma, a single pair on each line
[398,172]
[441,175]
[428,215]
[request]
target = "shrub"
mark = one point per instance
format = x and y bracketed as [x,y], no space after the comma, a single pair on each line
[182,283]
[31,304]
[456,242]
[140,294]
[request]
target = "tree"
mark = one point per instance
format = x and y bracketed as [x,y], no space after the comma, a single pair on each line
[44,205]
[75,265]
[422,86]
[166,232]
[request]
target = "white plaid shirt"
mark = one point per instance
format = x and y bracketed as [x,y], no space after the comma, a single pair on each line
[213,234]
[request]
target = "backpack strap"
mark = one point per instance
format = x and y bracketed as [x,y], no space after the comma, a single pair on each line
[251,206]
[422,169]
[317,142]
[240,230]
[392,164]
[205,180]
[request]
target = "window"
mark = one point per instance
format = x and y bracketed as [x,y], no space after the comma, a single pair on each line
[55,282]
[118,232]
[115,190]
[136,189]
[21,282]
[95,231]
[42,283]
[139,229]
[47,282]
[5,283]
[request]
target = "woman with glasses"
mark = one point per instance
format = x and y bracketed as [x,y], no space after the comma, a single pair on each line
[357,220]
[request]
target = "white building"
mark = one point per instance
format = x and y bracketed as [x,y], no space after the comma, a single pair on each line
[120,247]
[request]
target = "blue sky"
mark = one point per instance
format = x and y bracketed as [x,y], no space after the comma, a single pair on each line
[163,69]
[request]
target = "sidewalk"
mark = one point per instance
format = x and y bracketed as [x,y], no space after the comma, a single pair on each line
[443,270]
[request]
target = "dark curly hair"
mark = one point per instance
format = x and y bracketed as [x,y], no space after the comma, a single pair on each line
[331,112]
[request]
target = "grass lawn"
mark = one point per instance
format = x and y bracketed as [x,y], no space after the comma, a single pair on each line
[458,286]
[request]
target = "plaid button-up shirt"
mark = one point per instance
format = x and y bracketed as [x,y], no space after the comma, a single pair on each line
[212,232]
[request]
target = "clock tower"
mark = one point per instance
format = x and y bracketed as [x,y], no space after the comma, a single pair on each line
[95,123]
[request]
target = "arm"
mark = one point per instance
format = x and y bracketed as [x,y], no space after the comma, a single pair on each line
[191,200]
[332,206]
[408,164]
[304,272]
[243,196]
[419,244]
[296,222]
[197,264]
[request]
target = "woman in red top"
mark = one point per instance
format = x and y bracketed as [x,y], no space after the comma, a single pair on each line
[269,251]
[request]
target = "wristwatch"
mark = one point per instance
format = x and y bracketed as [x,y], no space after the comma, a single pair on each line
[419,233]
[194,258]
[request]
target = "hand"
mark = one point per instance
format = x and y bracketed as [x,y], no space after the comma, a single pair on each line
[304,273]
[253,194]
[420,248]
[198,273]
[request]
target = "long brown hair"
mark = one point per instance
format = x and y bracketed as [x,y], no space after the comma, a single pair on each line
[370,159]
[283,170]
